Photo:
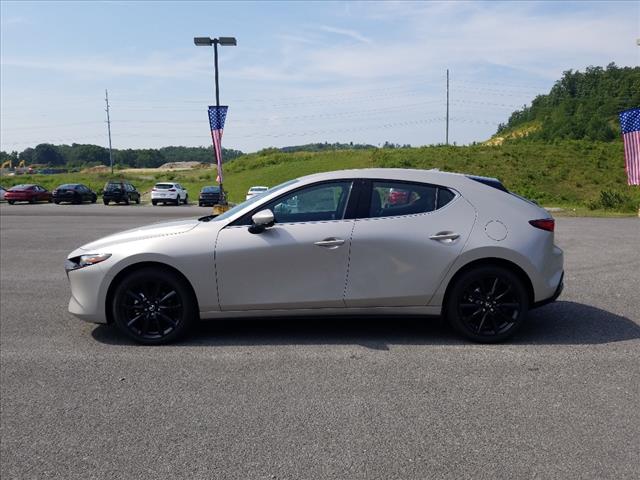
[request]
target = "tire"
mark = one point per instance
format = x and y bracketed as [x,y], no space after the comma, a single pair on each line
[106,202]
[138,200]
[154,202]
[141,295]
[200,204]
[11,202]
[487,304]
[176,202]
[94,199]
[57,202]
[126,201]
[186,200]
[32,200]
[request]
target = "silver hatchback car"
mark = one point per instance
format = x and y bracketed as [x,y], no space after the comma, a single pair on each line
[372,241]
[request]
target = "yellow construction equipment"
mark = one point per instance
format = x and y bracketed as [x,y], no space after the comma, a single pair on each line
[6,164]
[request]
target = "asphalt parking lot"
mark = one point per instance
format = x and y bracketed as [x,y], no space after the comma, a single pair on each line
[390,398]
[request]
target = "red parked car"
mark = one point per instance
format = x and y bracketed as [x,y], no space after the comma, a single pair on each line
[27,193]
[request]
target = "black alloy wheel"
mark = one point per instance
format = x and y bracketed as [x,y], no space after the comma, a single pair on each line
[487,304]
[153,306]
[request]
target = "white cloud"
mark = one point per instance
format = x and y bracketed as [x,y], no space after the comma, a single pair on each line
[353,34]
[157,66]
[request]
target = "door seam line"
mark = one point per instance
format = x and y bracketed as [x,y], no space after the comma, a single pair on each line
[346,279]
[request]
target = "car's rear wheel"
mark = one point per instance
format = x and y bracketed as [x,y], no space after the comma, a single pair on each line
[186,199]
[487,304]
[11,202]
[33,200]
[106,202]
[153,306]
[154,202]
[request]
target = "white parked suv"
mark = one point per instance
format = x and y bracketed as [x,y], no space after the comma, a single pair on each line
[166,192]
[255,191]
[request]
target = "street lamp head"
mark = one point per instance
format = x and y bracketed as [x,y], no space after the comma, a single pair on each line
[227,41]
[203,41]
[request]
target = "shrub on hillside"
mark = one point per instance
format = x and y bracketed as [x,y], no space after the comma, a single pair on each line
[613,200]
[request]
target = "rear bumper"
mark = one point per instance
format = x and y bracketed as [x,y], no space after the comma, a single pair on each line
[553,297]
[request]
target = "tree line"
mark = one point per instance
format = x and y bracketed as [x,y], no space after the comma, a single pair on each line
[84,155]
[580,106]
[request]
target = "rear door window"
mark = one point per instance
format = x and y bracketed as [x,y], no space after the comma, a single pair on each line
[391,198]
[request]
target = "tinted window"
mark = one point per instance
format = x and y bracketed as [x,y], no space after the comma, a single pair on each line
[389,199]
[326,201]
[210,189]
[112,186]
[444,196]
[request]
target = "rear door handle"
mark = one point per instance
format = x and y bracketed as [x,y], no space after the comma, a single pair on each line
[446,236]
[330,243]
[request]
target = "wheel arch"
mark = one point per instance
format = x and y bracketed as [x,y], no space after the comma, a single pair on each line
[138,266]
[493,262]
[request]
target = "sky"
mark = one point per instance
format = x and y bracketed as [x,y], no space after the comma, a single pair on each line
[302,72]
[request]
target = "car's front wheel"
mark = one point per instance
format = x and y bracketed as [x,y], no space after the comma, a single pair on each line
[487,304]
[153,306]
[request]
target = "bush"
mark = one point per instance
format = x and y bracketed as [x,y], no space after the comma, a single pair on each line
[613,200]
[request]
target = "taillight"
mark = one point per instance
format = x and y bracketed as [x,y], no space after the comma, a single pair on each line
[172,189]
[153,189]
[548,224]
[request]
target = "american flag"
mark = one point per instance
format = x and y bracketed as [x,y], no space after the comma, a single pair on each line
[217,116]
[630,126]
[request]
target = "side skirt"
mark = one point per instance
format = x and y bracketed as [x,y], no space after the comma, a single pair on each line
[386,311]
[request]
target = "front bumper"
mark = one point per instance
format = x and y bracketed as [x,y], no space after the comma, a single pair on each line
[88,293]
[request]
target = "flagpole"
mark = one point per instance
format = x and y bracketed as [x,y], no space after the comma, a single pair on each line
[223,197]
[206,42]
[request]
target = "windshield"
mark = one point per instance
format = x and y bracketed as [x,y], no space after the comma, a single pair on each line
[210,189]
[21,187]
[164,186]
[68,185]
[254,199]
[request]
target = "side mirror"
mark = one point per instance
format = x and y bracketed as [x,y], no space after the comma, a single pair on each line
[261,221]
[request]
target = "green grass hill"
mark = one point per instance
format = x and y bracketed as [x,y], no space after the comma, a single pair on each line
[572,173]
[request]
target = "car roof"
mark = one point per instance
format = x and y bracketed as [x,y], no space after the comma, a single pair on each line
[407,174]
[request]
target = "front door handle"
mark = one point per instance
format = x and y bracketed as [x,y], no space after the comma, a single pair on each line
[330,243]
[448,237]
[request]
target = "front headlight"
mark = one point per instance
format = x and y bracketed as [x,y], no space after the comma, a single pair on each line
[85,260]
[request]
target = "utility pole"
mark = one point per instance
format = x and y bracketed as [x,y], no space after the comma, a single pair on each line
[106,99]
[447,137]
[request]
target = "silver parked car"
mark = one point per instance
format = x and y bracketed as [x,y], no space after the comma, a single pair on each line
[373,241]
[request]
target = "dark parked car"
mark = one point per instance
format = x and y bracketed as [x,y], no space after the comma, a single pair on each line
[120,192]
[209,196]
[74,193]
[27,193]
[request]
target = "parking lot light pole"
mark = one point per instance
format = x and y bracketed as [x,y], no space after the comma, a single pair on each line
[207,42]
